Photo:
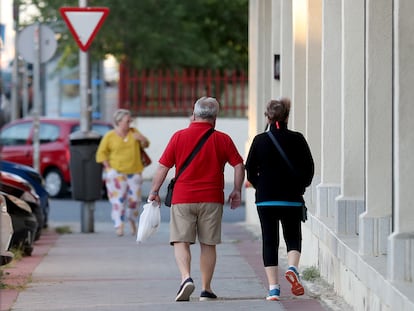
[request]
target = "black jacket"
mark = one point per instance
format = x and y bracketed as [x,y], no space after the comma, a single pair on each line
[268,172]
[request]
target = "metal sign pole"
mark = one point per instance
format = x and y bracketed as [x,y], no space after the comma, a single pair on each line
[15,112]
[84,23]
[36,93]
[88,208]
[85,91]
[36,44]
[25,87]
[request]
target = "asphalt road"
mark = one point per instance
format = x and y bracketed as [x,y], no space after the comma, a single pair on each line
[68,210]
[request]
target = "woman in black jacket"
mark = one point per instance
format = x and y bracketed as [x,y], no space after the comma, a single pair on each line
[279,192]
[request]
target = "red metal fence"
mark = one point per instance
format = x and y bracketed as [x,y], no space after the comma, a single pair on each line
[173,93]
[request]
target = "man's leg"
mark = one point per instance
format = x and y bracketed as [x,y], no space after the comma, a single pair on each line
[183,259]
[207,265]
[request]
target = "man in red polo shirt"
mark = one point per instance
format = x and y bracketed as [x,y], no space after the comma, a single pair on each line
[198,197]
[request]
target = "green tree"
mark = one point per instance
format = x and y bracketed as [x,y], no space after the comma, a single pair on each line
[161,33]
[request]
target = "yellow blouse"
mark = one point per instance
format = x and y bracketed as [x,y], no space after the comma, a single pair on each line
[123,154]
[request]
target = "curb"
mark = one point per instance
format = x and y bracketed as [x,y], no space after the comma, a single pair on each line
[17,274]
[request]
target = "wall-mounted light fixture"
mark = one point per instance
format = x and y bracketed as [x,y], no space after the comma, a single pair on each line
[276,67]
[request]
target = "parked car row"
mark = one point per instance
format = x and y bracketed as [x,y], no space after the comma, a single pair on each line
[35,180]
[24,224]
[16,139]
[23,213]
[23,205]
[25,192]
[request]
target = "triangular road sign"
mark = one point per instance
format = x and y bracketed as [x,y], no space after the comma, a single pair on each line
[84,23]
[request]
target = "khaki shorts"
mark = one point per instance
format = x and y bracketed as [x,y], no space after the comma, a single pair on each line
[202,220]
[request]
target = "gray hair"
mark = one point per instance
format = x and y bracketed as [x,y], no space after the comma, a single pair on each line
[120,114]
[206,108]
[278,109]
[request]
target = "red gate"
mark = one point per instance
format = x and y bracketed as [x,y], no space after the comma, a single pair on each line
[173,93]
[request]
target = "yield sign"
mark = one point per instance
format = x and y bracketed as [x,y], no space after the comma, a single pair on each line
[84,23]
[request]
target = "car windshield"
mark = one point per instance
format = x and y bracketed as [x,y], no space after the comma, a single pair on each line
[101,128]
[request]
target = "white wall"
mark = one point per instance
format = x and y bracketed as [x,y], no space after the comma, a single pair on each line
[160,130]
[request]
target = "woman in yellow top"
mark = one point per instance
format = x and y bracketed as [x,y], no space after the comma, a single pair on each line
[119,152]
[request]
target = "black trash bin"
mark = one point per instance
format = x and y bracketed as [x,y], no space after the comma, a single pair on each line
[86,174]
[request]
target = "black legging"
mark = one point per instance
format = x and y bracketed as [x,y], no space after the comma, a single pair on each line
[290,218]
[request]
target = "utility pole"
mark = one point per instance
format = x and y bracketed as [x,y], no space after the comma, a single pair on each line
[15,109]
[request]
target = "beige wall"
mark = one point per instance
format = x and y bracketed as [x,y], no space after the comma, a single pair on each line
[347,75]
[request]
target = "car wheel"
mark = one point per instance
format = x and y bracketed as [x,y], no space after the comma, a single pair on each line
[54,183]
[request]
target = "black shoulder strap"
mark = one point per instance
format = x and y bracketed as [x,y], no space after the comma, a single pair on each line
[195,151]
[282,153]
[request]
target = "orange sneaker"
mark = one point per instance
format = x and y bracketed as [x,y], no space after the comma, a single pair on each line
[293,278]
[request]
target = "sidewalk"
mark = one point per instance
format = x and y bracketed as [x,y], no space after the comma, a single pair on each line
[100,271]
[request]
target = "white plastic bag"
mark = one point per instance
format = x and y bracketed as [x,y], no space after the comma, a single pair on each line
[149,221]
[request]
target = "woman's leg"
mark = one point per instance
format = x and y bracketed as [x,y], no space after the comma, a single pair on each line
[134,199]
[292,231]
[116,186]
[270,243]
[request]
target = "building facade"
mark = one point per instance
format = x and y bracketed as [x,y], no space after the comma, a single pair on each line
[348,67]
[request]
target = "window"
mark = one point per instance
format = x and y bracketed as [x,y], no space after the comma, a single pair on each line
[17,134]
[48,133]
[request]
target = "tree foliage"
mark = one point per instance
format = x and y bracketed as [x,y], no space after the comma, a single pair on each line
[162,33]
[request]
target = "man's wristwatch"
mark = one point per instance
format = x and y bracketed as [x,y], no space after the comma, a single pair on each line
[154,192]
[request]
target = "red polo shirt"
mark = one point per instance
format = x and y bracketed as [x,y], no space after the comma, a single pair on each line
[203,179]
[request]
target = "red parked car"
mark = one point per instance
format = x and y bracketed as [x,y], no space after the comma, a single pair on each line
[16,141]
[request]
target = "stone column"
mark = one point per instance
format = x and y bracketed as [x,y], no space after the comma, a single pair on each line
[313,91]
[350,204]
[260,72]
[401,242]
[375,222]
[286,48]
[329,187]
[275,35]
[297,117]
